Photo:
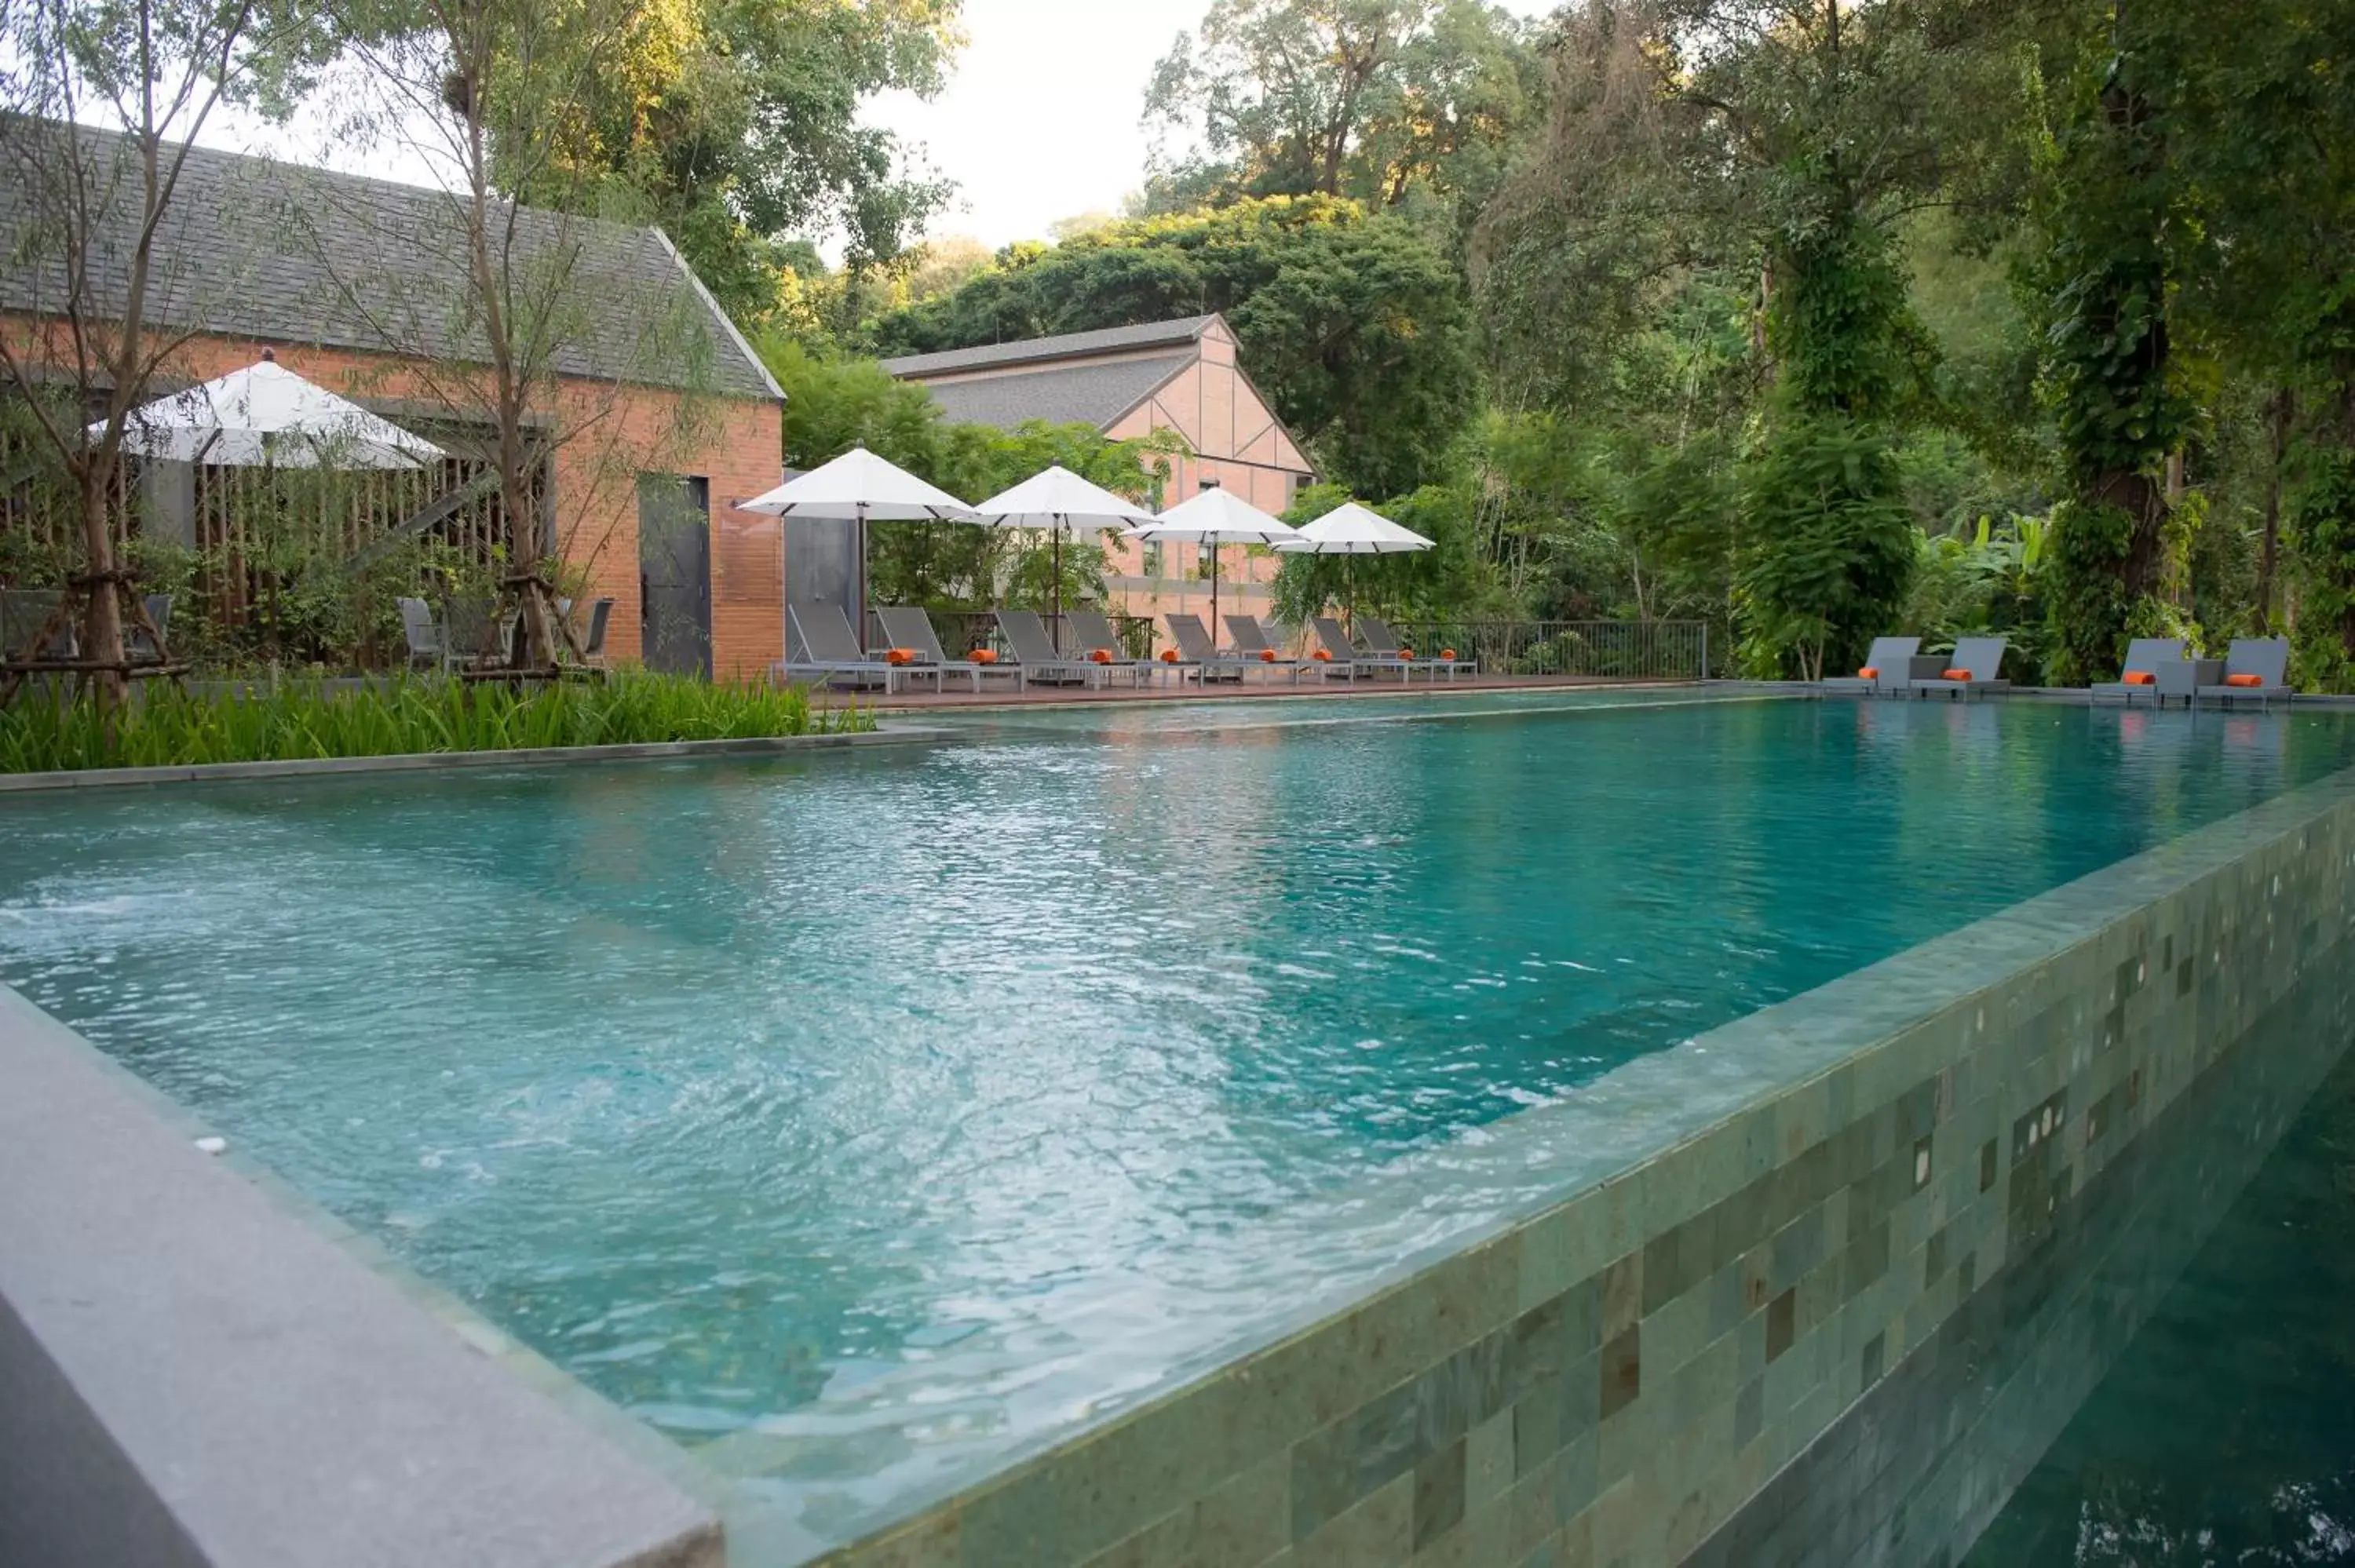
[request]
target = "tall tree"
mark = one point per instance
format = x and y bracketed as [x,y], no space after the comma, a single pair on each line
[740,122]
[1373,99]
[90,222]
[2110,206]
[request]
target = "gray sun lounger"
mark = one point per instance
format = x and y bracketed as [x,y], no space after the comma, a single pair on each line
[910,627]
[1253,644]
[829,651]
[2144,656]
[1195,652]
[1093,629]
[1982,657]
[2266,657]
[1381,640]
[1034,652]
[1896,663]
[1347,658]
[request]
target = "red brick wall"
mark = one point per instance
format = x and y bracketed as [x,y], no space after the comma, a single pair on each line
[617,432]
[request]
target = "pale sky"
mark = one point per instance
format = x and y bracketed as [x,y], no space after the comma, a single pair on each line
[1041,119]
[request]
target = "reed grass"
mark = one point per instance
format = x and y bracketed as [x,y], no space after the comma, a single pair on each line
[165,727]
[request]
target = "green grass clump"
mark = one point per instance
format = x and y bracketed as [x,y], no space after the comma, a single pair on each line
[163,726]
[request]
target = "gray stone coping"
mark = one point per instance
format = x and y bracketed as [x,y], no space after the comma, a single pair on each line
[446,761]
[189,1375]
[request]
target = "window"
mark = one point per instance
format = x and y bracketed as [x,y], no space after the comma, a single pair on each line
[1149,563]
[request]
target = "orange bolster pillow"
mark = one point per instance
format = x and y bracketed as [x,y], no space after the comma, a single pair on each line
[984,656]
[1868,673]
[1958,674]
[1448,654]
[1267,655]
[900,656]
[2136,678]
[1169,655]
[1100,655]
[1406,652]
[1322,656]
[2244,680]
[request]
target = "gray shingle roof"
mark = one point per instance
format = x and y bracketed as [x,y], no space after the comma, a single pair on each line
[1071,394]
[252,248]
[1111,340]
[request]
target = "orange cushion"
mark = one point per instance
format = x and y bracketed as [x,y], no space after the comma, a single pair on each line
[2244,680]
[1169,655]
[984,655]
[2136,678]
[1322,657]
[1406,652]
[1448,654]
[1267,655]
[1101,655]
[900,656]
[1868,673]
[1958,674]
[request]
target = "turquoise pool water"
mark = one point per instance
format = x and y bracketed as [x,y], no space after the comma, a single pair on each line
[866,1103]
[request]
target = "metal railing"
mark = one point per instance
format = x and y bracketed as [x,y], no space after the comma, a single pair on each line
[1603,650]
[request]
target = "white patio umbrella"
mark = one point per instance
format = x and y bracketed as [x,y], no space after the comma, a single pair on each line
[1055,500]
[266,415]
[1215,517]
[860,488]
[1351,529]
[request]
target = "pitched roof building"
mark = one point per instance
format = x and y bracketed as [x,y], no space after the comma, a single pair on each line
[361,284]
[1180,377]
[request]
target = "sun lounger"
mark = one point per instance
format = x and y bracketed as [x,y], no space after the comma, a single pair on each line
[908,626]
[2255,668]
[1094,630]
[1889,669]
[1035,655]
[1975,670]
[2144,656]
[1381,640]
[1346,658]
[1253,644]
[1195,652]
[829,651]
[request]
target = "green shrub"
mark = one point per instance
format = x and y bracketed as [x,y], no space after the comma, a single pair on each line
[1830,549]
[168,727]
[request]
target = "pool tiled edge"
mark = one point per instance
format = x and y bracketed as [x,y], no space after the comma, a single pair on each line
[1795,1291]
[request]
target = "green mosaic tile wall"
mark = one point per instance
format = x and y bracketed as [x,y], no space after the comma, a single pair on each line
[1881,1232]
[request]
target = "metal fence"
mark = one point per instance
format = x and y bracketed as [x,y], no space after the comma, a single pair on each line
[1605,649]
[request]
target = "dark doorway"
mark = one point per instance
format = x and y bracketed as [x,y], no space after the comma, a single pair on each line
[675,572]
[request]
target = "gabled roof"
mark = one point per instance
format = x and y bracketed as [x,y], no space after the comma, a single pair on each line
[1181,334]
[1061,394]
[252,248]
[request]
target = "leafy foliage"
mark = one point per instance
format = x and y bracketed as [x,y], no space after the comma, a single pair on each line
[1829,548]
[308,719]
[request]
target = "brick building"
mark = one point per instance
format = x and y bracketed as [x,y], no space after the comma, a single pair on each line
[1180,377]
[658,411]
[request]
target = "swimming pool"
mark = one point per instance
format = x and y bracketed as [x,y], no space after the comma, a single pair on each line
[870,1105]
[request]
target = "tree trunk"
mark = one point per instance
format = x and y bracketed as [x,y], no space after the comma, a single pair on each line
[104,623]
[2269,551]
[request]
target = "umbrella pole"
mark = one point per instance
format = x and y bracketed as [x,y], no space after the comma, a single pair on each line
[1214,593]
[858,581]
[1056,547]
